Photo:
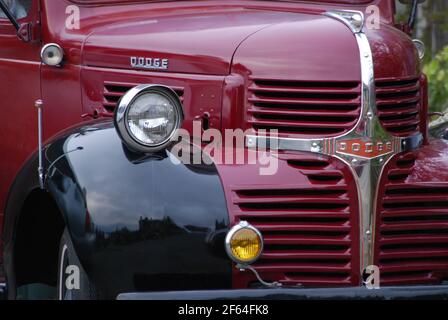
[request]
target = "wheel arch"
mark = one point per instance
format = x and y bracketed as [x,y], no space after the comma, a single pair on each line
[117,204]
[33,225]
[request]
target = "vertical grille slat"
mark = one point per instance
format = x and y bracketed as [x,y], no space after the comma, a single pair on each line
[413,228]
[311,108]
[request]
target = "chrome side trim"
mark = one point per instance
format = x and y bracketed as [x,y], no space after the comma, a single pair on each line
[39,104]
[371,145]
[351,18]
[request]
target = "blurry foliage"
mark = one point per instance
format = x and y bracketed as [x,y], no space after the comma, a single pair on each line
[434,26]
[437,72]
[435,35]
[432,29]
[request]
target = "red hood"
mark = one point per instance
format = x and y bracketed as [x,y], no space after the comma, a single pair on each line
[262,43]
[312,47]
[197,42]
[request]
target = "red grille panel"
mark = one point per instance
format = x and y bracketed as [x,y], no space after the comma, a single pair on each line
[398,103]
[313,109]
[310,231]
[113,91]
[412,237]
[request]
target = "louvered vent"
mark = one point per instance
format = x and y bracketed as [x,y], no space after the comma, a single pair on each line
[398,104]
[311,109]
[113,91]
[310,232]
[413,229]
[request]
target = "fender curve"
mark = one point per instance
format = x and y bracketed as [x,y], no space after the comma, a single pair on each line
[137,223]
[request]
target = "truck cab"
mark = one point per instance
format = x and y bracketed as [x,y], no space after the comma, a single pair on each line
[316,174]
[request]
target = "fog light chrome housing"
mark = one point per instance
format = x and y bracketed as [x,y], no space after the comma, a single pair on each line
[244,243]
[148,117]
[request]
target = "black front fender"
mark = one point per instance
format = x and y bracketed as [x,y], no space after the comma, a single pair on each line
[138,223]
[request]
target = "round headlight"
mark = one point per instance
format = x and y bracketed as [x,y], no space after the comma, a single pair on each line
[148,117]
[52,55]
[244,243]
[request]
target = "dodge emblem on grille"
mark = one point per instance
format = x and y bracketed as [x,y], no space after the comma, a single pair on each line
[364,148]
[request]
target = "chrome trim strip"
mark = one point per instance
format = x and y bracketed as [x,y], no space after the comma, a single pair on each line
[351,18]
[39,104]
[374,145]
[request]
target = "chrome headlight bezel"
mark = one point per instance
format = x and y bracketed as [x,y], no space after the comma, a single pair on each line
[125,104]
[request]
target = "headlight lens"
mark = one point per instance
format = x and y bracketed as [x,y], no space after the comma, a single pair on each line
[152,118]
[244,243]
[148,117]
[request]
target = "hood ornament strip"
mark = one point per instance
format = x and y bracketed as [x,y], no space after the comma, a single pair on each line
[366,149]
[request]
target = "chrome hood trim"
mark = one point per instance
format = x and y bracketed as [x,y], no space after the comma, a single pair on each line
[366,149]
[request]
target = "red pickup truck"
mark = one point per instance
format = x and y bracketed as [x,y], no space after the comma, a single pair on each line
[97,202]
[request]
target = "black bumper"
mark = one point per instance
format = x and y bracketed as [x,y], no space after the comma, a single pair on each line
[355,293]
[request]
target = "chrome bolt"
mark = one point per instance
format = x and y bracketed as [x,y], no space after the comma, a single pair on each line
[357,21]
[368,234]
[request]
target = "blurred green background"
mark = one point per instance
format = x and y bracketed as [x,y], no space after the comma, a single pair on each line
[432,29]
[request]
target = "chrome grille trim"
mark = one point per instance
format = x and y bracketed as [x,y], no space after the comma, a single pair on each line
[369,130]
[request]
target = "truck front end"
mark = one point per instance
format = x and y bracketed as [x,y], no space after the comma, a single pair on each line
[315,178]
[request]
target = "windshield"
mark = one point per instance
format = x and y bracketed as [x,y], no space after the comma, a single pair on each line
[18,8]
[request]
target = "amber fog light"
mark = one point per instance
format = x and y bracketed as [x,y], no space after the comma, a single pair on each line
[244,243]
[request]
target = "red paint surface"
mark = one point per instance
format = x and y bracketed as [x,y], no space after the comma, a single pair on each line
[411,241]
[216,51]
[307,213]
